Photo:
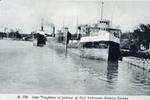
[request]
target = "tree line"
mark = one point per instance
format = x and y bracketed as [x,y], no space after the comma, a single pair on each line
[133,40]
[16,34]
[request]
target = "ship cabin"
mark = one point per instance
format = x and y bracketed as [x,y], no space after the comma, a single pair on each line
[99,34]
[100,28]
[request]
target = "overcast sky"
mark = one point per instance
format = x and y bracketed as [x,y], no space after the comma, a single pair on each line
[27,14]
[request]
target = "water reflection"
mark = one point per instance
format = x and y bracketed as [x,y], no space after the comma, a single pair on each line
[45,70]
[105,77]
[112,71]
[60,51]
[104,70]
[140,77]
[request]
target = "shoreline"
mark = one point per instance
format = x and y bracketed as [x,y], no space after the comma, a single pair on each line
[139,59]
[138,62]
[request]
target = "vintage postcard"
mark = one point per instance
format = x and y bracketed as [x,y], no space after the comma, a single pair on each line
[74,50]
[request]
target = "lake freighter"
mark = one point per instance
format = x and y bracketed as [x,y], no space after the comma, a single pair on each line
[96,41]
[100,40]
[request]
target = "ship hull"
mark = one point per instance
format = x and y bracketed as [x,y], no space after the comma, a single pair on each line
[114,51]
[40,40]
[111,52]
[91,53]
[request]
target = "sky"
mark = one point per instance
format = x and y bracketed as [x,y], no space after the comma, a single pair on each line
[26,15]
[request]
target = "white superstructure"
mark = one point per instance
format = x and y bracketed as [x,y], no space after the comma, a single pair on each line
[100,32]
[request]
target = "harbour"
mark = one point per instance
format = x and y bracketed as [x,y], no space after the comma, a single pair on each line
[78,47]
[43,70]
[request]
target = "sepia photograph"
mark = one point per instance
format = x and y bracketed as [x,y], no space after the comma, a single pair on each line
[75,47]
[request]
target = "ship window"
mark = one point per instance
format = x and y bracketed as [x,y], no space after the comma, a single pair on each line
[95,45]
[116,34]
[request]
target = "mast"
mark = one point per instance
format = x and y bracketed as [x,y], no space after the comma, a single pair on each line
[113,9]
[42,24]
[77,24]
[77,17]
[102,10]
[63,22]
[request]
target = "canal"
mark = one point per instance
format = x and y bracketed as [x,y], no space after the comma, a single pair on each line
[25,68]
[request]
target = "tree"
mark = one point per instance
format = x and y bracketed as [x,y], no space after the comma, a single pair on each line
[142,34]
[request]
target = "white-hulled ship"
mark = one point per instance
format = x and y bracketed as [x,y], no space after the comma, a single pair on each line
[100,40]
[97,41]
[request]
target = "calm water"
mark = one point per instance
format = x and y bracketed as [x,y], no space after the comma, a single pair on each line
[25,68]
